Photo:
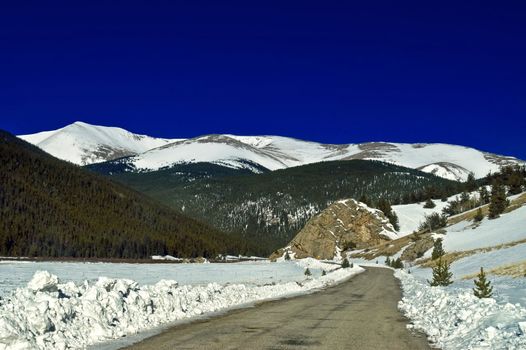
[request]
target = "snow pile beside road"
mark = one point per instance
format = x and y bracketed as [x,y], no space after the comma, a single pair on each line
[456,319]
[53,315]
[311,263]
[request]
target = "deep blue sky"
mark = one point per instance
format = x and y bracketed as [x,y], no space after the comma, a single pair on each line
[331,71]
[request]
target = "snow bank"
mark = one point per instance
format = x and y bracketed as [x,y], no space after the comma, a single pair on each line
[166,257]
[48,314]
[456,319]
[311,263]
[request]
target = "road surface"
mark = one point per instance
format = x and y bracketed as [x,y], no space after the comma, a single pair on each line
[359,314]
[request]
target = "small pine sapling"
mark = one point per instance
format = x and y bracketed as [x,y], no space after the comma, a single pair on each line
[397,264]
[441,274]
[438,250]
[345,263]
[483,288]
[429,204]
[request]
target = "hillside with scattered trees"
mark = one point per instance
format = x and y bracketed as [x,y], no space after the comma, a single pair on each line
[270,208]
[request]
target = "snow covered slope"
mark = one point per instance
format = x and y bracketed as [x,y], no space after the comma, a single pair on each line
[274,152]
[83,144]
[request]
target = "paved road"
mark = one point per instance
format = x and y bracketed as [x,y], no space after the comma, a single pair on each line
[358,314]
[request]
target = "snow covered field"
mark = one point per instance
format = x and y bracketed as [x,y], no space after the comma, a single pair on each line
[410,216]
[17,274]
[67,315]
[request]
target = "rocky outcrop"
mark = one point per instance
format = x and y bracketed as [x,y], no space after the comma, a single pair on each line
[418,248]
[344,224]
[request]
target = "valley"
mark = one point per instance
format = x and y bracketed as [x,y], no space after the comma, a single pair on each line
[270,175]
[121,235]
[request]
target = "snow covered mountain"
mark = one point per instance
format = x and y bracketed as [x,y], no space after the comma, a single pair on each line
[82,143]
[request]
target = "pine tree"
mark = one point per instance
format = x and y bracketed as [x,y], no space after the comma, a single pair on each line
[388,261]
[515,182]
[483,288]
[441,274]
[433,221]
[307,272]
[498,202]
[385,207]
[345,263]
[471,183]
[397,264]
[438,250]
[429,204]
[479,215]
[393,219]
[484,195]
[287,256]
[464,197]
[323,273]
[365,200]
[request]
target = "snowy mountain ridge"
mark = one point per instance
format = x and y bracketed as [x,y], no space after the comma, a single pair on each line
[83,144]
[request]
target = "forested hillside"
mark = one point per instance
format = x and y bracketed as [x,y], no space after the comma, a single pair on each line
[270,208]
[52,208]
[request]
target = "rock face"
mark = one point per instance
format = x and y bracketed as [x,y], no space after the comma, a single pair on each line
[344,224]
[417,249]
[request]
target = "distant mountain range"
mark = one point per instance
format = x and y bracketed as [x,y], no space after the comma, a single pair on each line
[84,144]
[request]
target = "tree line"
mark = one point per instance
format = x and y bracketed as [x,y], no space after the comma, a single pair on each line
[52,208]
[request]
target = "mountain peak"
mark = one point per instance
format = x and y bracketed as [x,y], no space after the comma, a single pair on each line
[82,143]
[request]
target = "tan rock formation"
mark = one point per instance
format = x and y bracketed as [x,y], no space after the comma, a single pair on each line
[344,224]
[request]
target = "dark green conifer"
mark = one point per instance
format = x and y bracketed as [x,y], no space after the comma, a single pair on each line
[484,195]
[345,263]
[429,204]
[498,202]
[397,264]
[438,250]
[385,207]
[471,183]
[441,274]
[483,288]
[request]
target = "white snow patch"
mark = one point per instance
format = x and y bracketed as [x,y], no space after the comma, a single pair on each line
[456,319]
[509,227]
[166,257]
[68,315]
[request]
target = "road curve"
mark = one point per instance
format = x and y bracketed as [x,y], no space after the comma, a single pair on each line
[359,314]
